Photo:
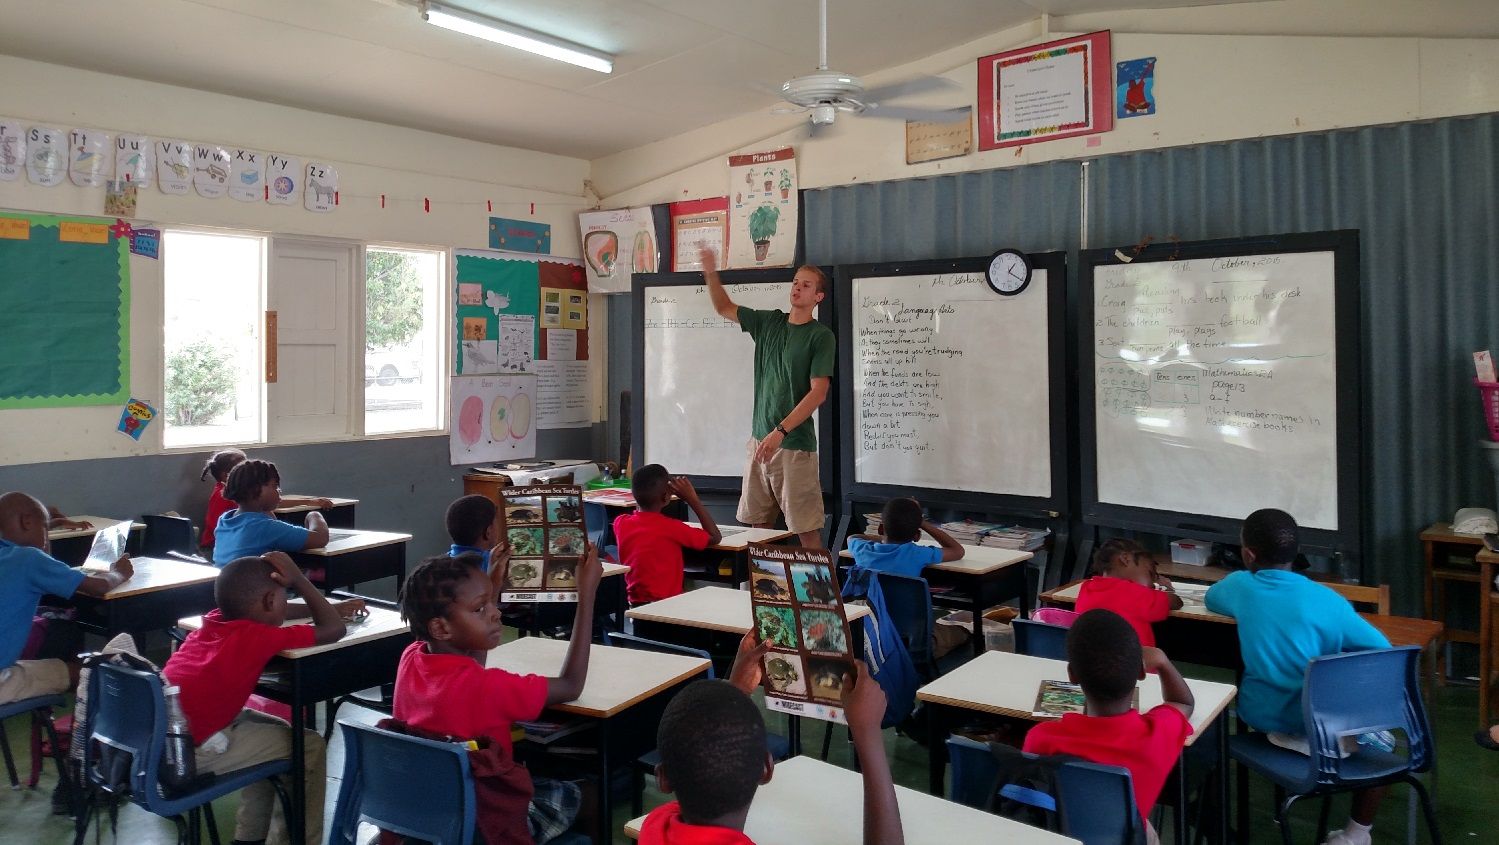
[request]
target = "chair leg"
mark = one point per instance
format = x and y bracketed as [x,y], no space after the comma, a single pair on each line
[85,814]
[1426,809]
[63,780]
[10,762]
[827,740]
[210,823]
[1323,815]
[638,798]
[1283,813]
[1241,779]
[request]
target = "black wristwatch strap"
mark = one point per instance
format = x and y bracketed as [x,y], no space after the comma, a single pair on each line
[782,429]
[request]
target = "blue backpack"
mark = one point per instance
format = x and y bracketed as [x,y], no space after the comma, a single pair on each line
[884,652]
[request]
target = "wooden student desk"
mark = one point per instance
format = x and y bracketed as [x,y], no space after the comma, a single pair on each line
[622,699]
[1006,684]
[727,561]
[809,801]
[160,592]
[366,657]
[341,515]
[71,545]
[986,575]
[353,557]
[609,603]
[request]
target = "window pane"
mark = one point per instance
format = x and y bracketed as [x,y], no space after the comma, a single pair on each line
[213,348]
[402,372]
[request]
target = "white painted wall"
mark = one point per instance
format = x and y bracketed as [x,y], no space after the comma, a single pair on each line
[406,165]
[1224,72]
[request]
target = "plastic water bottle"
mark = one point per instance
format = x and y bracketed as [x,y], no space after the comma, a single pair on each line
[178,766]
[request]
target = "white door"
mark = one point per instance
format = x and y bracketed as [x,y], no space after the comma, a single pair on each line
[311,292]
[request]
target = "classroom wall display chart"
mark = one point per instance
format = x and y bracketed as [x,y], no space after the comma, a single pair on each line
[1225,380]
[763,209]
[697,392]
[64,311]
[797,607]
[616,244]
[545,529]
[494,418]
[949,385]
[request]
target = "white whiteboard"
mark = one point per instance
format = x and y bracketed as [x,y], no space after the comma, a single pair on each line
[700,377]
[1216,389]
[951,384]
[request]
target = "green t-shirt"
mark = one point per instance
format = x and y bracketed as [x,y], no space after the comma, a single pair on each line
[787,358]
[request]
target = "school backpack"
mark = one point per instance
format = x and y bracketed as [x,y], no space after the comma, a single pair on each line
[1026,786]
[884,652]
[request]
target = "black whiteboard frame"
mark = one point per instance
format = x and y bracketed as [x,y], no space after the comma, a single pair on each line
[643,283]
[1040,507]
[1348,373]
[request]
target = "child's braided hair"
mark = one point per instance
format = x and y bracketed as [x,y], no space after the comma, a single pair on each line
[246,479]
[429,589]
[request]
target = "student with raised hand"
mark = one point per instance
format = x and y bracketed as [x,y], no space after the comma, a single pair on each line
[442,683]
[899,551]
[1284,620]
[651,543]
[1106,659]
[714,758]
[216,669]
[252,528]
[28,572]
[794,357]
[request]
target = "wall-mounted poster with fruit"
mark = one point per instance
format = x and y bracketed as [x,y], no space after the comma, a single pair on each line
[763,206]
[543,524]
[795,600]
[493,417]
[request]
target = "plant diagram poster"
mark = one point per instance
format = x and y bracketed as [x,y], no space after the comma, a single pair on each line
[762,209]
[544,526]
[795,600]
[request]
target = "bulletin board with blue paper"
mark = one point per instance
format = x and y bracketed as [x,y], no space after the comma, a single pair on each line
[64,311]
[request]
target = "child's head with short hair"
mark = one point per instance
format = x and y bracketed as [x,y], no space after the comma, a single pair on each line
[901,520]
[244,589]
[450,604]
[1104,657]
[247,487]
[220,463]
[713,752]
[650,487]
[1121,558]
[23,520]
[470,518]
[1270,539]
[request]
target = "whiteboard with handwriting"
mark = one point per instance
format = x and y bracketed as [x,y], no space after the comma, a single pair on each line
[699,377]
[951,384]
[1215,385]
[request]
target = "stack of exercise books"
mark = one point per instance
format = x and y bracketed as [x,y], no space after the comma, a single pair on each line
[1016,537]
[970,532]
[874,523]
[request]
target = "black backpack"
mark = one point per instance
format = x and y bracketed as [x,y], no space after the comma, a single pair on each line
[1025,786]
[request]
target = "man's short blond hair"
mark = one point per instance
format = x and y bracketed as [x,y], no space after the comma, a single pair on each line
[822,278]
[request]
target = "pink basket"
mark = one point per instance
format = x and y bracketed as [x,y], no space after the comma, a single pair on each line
[1488,392]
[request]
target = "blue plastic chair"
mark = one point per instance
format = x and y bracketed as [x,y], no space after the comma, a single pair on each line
[600,529]
[780,747]
[40,709]
[1039,639]
[378,787]
[909,603]
[1348,695]
[127,713]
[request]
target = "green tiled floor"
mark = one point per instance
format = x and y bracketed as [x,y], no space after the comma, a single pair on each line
[1467,782]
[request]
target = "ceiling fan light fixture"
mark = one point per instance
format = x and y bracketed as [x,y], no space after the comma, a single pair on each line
[518,37]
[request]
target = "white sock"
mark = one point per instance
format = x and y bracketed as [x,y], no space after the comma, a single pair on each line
[1358,834]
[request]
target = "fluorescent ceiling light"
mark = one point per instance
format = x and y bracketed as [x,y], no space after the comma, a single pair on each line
[510,35]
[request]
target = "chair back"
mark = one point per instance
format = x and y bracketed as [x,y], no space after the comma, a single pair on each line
[908,601]
[1097,804]
[378,787]
[619,640]
[167,534]
[974,771]
[596,517]
[1375,599]
[1039,639]
[1361,692]
[126,713]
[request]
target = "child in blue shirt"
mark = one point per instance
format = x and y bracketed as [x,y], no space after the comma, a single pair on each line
[898,551]
[473,524]
[28,572]
[252,529]
[1285,620]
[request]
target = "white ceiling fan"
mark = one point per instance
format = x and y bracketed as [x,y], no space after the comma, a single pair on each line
[826,92]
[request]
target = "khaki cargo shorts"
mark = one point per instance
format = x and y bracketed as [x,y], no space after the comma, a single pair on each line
[31,678]
[788,483]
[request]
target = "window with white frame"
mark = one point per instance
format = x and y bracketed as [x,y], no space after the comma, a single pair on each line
[403,372]
[214,288]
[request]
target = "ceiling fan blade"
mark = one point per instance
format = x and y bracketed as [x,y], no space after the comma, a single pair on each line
[919,85]
[788,108]
[910,113]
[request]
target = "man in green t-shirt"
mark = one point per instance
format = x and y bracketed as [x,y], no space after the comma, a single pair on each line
[794,356]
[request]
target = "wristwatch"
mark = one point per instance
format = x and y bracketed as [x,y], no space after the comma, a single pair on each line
[782,429]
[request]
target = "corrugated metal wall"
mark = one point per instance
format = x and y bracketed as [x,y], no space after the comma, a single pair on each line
[1422,195]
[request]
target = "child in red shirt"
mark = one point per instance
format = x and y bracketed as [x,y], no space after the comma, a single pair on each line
[1106,659]
[714,757]
[443,687]
[651,543]
[1125,581]
[217,668]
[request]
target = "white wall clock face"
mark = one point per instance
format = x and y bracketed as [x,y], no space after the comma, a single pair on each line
[1009,272]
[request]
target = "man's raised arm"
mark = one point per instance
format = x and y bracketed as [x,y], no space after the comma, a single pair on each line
[721,302]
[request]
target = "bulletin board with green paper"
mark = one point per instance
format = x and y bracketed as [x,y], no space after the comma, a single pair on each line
[514,309]
[64,311]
